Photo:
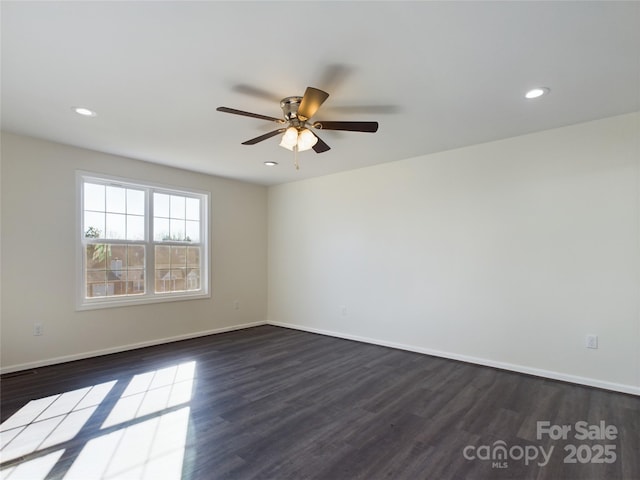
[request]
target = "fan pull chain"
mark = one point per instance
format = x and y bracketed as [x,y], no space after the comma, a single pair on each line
[295,157]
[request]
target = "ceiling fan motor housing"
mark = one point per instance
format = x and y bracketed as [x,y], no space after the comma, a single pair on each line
[290,107]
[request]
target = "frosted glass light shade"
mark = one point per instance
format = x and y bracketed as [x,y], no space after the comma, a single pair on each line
[306,140]
[290,138]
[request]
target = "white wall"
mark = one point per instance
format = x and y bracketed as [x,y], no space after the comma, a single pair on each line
[38,258]
[506,253]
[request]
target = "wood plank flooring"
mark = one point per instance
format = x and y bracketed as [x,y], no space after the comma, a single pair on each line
[275,403]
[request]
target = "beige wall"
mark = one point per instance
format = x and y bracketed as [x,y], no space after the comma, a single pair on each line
[507,253]
[38,258]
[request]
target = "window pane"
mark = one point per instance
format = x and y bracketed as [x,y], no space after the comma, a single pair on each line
[160,205]
[193,231]
[178,279]
[171,274]
[96,284]
[94,225]
[96,256]
[176,230]
[135,256]
[135,227]
[193,209]
[115,286]
[114,269]
[135,281]
[135,202]
[193,257]
[94,197]
[116,200]
[193,279]
[160,229]
[163,281]
[178,256]
[117,253]
[163,257]
[116,226]
[177,207]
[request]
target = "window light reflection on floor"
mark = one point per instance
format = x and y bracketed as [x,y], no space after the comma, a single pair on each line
[143,436]
[153,392]
[151,449]
[32,469]
[49,421]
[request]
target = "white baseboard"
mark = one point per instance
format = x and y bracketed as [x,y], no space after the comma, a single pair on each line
[591,382]
[123,348]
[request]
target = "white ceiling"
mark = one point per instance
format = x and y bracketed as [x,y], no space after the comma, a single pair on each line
[435,75]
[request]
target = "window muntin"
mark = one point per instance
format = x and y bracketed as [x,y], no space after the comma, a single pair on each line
[176,218]
[113,212]
[177,268]
[114,269]
[140,243]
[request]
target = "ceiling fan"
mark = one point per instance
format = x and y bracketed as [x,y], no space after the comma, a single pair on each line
[296,124]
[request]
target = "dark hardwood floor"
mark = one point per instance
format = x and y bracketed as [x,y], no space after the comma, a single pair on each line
[275,403]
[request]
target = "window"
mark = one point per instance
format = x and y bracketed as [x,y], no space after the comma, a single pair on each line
[140,243]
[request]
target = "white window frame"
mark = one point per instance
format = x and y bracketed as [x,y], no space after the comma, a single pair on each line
[150,296]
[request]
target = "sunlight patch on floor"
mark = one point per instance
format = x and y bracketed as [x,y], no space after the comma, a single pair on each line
[32,469]
[49,421]
[152,392]
[143,436]
[151,449]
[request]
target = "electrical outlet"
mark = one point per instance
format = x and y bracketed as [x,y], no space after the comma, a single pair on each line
[343,310]
[236,305]
[592,341]
[37,329]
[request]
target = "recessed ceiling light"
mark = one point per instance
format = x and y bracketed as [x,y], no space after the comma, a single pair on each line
[85,112]
[536,92]
[270,164]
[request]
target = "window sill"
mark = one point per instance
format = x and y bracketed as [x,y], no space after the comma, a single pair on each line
[143,300]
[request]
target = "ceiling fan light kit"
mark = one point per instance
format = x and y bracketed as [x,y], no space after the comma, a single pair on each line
[297,111]
[294,137]
[306,140]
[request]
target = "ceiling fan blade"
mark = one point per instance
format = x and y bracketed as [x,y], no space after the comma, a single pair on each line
[334,75]
[348,126]
[320,146]
[273,133]
[311,101]
[248,114]
[256,92]
[365,109]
